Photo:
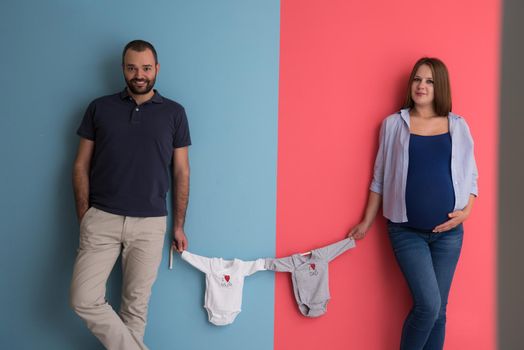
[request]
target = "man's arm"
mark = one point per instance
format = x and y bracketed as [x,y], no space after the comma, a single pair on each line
[180,196]
[81,176]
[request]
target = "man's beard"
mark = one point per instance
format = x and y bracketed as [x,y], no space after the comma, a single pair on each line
[140,90]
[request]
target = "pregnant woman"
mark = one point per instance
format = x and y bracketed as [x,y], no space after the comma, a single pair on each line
[425,177]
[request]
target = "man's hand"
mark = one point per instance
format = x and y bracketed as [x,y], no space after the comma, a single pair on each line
[81,176]
[180,196]
[179,240]
[81,212]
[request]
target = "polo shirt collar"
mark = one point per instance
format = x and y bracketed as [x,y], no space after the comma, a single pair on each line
[157,98]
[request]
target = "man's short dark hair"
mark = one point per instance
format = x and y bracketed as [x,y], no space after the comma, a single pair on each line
[139,45]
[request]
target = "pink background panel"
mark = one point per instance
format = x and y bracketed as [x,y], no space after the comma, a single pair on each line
[343,68]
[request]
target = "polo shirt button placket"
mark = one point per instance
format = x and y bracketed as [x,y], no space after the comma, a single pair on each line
[135,115]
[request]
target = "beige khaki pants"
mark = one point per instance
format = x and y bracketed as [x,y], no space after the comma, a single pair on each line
[103,236]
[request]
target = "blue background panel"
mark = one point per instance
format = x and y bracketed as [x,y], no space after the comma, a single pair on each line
[219,60]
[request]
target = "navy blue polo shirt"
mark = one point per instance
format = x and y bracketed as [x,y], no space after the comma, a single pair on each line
[129,172]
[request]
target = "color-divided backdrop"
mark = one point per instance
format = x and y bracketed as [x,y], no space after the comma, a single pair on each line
[284,101]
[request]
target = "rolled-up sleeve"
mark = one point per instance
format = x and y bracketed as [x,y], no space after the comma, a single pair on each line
[378,171]
[471,155]
[474,177]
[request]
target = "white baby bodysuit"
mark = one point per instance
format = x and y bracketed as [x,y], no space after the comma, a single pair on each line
[224,283]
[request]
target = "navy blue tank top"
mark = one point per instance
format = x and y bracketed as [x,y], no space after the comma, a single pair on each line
[429,191]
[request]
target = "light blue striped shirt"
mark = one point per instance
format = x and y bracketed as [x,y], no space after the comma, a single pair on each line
[391,165]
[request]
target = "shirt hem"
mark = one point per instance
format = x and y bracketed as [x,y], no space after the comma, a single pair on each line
[131,213]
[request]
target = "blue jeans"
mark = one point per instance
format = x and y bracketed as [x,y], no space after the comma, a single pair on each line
[428,262]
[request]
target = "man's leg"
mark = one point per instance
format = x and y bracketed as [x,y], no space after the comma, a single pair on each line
[141,256]
[100,245]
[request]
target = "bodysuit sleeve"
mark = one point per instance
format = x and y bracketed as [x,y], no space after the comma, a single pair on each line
[331,251]
[280,265]
[200,262]
[250,267]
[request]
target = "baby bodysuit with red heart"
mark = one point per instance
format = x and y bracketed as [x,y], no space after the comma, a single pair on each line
[309,274]
[224,284]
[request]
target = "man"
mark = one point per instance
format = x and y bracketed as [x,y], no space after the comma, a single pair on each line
[120,178]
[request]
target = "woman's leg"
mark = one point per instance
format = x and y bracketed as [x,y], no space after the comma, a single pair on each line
[414,258]
[445,251]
